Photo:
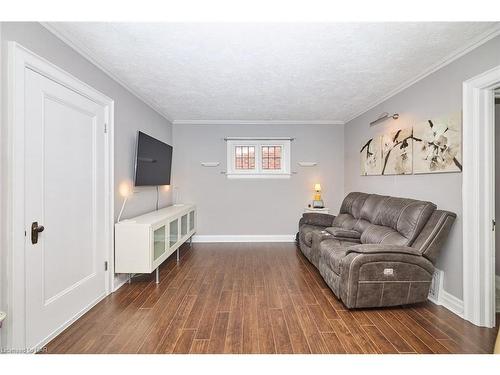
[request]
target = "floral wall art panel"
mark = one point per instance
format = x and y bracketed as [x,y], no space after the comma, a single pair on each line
[371,157]
[397,152]
[438,145]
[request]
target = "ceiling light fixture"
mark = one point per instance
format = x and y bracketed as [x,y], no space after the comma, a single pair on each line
[384,116]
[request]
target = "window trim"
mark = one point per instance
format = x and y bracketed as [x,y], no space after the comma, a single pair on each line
[258,171]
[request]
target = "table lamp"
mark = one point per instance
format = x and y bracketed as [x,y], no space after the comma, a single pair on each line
[317,202]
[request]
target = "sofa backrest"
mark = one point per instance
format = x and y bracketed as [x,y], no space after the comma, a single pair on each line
[434,233]
[384,219]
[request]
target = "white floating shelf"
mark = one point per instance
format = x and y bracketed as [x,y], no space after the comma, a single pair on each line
[307,163]
[210,163]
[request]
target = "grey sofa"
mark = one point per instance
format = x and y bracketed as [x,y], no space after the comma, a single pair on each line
[379,250]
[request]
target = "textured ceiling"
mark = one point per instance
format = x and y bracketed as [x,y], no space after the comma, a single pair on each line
[261,72]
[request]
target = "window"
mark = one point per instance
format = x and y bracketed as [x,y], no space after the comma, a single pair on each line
[245,157]
[258,157]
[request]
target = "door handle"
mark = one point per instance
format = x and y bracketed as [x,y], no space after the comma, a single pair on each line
[35,229]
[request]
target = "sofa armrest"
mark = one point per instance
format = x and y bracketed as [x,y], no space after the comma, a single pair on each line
[380,248]
[344,233]
[320,220]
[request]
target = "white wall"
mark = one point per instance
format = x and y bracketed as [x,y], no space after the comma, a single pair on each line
[131,114]
[438,94]
[256,206]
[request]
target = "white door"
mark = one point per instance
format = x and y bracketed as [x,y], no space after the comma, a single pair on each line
[64,190]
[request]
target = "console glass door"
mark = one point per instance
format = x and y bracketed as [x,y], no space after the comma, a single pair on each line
[184,225]
[159,242]
[191,220]
[174,232]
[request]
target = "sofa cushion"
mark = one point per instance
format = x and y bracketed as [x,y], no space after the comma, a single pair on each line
[344,233]
[315,218]
[379,234]
[345,221]
[382,249]
[406,216]
[352,204]
[331,254]
[371,207]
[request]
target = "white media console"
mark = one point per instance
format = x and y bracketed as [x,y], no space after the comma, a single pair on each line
[142,243]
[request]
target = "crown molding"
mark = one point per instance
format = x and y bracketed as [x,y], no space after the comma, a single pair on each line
[83,51]
[257,122]
[475,43]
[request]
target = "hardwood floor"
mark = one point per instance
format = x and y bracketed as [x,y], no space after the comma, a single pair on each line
[257,298]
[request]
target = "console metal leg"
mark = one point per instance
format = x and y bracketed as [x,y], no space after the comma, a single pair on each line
[190,241]
[178,255]
[158,275]
[129,278]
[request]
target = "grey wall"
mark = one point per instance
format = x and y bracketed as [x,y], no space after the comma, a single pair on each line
[256,206]
[131,114]
[497,185]
[438,94]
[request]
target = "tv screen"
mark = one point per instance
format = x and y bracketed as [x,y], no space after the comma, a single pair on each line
[153,161]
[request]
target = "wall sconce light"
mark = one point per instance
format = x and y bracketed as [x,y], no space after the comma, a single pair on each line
[125,192]
[383,117]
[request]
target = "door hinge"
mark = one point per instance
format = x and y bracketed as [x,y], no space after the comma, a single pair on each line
[105,265]
[105,128]
[493,224]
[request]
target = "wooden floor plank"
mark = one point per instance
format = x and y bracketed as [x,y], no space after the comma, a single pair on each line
[218,340]
[199,347]
[250,325]
[405,333]
[184,342]
[257,298]
[280,332]
[383,345]
[358,333]
[297,337]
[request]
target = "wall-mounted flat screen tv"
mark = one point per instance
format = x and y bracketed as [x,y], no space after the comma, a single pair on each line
[153,162]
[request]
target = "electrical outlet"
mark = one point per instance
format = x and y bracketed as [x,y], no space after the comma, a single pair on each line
[388,271]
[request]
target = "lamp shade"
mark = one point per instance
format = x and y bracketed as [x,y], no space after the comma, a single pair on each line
[317,187]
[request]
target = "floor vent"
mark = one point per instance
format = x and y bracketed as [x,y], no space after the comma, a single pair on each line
[436,284]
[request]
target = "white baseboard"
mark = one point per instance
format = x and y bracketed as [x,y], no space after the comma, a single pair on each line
[245,238]
[442,298]
[450,302]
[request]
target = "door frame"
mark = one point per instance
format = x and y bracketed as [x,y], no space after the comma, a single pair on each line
[478,197]
[20,58]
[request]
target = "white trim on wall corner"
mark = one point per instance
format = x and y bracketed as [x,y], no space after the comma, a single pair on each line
[258,122]
[244,238]
[84,52]
[475,43]
[450,302]
[478,203]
